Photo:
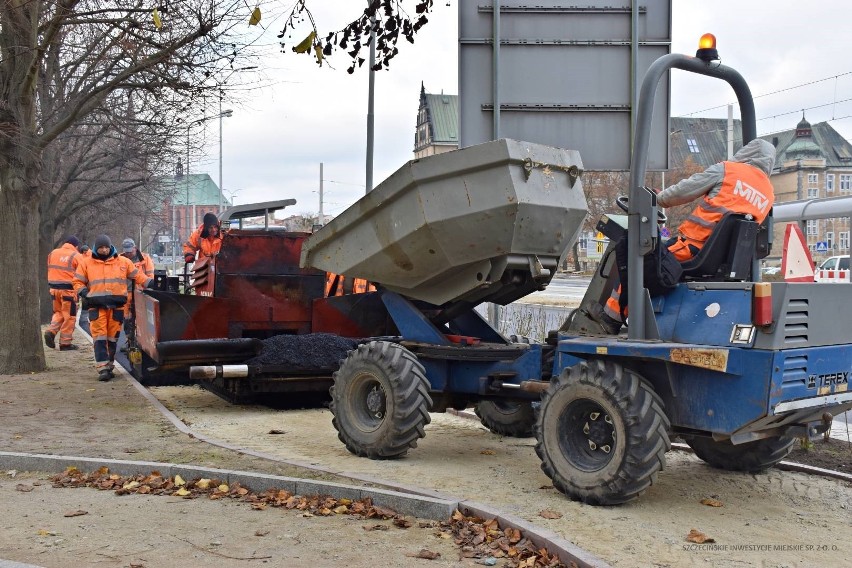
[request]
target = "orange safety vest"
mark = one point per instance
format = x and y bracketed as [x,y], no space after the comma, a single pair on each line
[745,189]
[145,265]
[334,285]
[209,246]
[61,265]
[107,279]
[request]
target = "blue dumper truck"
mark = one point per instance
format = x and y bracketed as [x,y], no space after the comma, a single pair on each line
[736,367]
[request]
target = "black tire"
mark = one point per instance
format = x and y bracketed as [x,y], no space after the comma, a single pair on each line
[380,401]
[602,434]
[507,417]
[751,457]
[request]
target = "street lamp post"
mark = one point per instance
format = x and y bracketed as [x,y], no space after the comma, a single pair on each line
[222,114]
[185,172]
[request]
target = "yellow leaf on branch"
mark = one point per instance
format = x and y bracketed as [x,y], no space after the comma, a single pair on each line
[304,45]
[254,19]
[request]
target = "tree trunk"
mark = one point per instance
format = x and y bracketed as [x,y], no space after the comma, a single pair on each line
[21,348]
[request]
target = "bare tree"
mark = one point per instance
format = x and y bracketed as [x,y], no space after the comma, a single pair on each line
[64,63]
[67,71]
[600,189]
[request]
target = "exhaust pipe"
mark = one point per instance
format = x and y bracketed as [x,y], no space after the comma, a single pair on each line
[210,372]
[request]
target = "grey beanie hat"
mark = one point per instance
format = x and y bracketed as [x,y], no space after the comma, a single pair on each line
[128,245]
[102,241]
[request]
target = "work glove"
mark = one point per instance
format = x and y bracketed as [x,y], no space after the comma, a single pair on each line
[189,257]
[149,285]
[83,292]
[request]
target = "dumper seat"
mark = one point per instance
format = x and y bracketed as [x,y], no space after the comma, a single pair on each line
[729,252]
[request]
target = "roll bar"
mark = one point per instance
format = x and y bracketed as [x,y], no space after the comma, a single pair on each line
[642,213]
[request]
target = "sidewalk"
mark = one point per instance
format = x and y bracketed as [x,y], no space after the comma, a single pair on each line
[48,418]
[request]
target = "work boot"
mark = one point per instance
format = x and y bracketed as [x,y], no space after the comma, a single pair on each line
[49,338]
[104,375]
[610,325]
[111,374]
[69,347]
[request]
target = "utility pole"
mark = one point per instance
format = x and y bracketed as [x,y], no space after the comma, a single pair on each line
[730,132]
[321,216]
[222,114]
[370,105]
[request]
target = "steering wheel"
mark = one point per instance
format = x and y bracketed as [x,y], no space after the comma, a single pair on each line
[622,201]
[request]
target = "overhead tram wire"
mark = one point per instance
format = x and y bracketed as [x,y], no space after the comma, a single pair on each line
[814,82]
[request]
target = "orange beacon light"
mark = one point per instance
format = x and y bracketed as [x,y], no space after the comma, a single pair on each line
[707,48]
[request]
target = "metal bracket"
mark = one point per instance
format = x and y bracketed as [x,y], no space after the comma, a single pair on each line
[573,172]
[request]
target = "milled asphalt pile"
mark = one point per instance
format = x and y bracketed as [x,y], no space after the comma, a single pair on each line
[304,352]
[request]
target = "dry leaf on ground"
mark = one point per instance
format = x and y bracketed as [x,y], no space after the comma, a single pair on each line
[548,514]
[711,502]
[698,537]
[77,513]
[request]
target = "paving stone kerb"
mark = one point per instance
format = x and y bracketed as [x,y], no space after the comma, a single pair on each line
[421,506]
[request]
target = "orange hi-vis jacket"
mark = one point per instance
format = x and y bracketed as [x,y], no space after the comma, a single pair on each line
[144,263]
[335,285]
[208,246]
[61,266]
[745,189]
[106,280]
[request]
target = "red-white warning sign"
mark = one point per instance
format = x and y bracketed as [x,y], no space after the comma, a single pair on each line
[796,262]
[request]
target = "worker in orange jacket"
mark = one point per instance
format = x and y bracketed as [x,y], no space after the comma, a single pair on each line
[206,239]
[143,262]
[336,285]
[61,265]
[102,283]
[738,186]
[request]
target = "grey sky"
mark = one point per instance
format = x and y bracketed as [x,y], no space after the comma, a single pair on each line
[277,137]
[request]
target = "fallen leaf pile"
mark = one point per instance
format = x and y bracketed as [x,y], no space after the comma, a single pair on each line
[477,538]
[481,538]
[155,484]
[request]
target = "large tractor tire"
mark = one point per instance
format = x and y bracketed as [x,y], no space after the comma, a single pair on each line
[380,401]
[602,433]
[751,457]
[507,418]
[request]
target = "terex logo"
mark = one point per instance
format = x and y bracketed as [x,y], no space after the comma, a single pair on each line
[830,379]
[752,195]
